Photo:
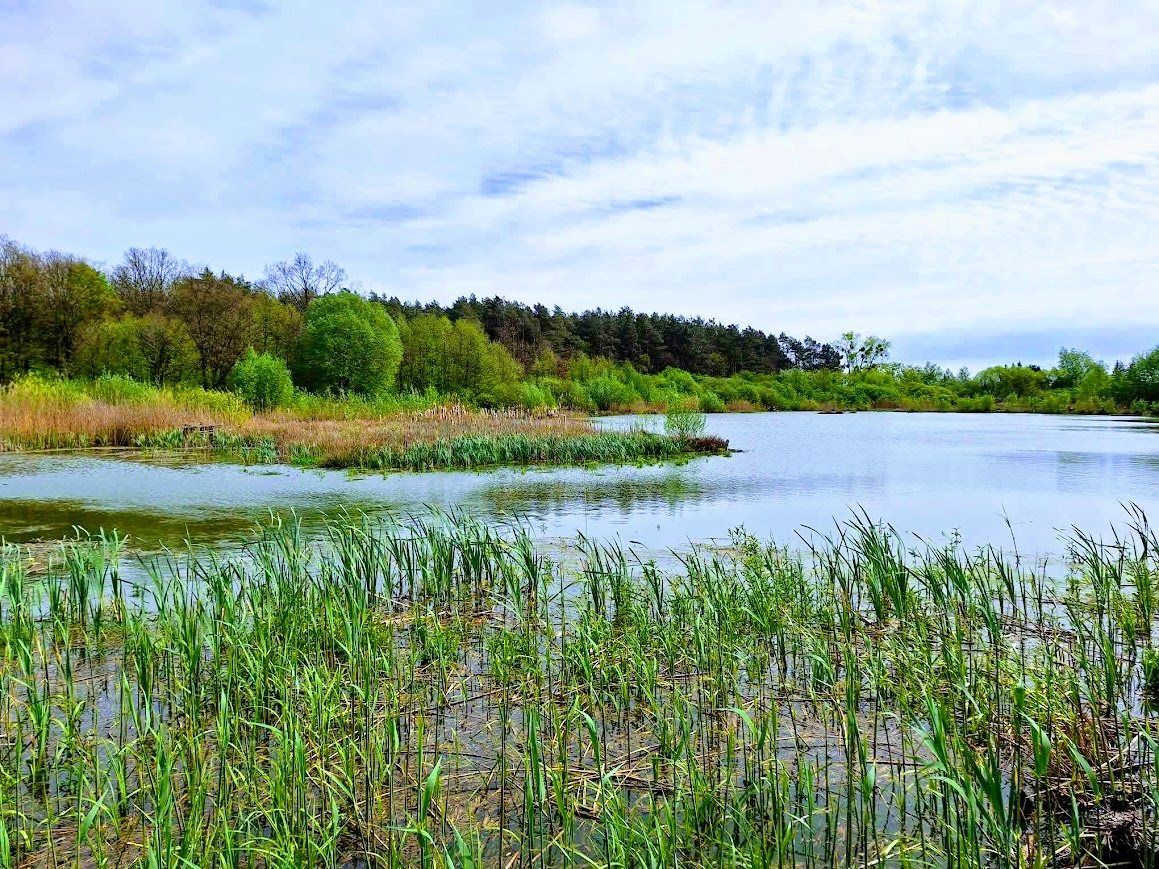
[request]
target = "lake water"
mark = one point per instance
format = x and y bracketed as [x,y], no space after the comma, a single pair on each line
[930,474]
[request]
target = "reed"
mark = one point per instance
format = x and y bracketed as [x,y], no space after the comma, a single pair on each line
[440,692]
[116,413]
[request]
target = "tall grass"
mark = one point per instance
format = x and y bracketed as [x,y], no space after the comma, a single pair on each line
[437,692]
[480,451]
[393,433]
[39,413]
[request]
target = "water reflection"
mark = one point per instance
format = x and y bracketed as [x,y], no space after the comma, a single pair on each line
[927,473]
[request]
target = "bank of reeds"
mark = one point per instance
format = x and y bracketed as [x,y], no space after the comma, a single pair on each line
[40,414]
[439,692]
[414,444]
[112,413]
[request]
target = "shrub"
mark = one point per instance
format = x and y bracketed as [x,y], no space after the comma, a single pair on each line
[576,397]
[710,402]
[608,393]
[262,380]
[534,396]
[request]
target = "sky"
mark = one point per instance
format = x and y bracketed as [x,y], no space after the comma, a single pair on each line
[977,181]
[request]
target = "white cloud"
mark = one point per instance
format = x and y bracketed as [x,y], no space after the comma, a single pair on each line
[903,167]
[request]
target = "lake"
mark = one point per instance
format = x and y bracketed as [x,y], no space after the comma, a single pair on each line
[930,474]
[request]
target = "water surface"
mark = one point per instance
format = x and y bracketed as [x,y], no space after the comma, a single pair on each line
[931,474]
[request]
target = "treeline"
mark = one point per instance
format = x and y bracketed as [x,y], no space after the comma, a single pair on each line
[296,331]
[158,319]
[649,342]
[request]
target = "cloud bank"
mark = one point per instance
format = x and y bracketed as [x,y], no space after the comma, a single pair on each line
[982,176]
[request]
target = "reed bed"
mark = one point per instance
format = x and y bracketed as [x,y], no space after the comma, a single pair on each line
[439,692]
[417,445]
[195,424]
[40,414]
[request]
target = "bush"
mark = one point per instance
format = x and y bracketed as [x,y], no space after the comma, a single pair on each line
[534,396]
[262,380]
[576,397]
[710,403]
[608,393]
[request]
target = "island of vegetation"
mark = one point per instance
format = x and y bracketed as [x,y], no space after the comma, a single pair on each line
[153,353]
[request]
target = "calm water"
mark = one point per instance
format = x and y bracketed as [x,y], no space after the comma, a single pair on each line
[925,473]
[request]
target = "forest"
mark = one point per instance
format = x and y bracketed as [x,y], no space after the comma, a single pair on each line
[299,333]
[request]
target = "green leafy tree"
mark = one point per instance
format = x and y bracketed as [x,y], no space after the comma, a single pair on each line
[457,358]
[218,312]
[1079,370]
[262,380]
[1142,377]
[73,294]
[20,288]
[169,352]
[425,342]
[1002,381]
[112,346]
[277,326]
[349,345]
[153,348]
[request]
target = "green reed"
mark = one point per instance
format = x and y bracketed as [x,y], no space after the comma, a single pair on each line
[442,692]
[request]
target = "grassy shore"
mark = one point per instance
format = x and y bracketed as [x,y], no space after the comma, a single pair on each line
[397,433]
[438,693]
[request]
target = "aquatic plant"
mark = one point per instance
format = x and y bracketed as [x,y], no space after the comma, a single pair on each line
[441,691]
[685,423]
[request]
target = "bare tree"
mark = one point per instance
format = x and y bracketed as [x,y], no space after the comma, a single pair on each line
[146,277]
[299,281]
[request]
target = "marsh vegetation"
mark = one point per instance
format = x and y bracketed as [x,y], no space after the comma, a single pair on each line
[117,414]
[438,691]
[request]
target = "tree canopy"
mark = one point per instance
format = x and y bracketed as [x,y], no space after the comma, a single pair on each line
[349,345]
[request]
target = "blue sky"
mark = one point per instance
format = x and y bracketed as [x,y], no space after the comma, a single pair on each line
[977,181]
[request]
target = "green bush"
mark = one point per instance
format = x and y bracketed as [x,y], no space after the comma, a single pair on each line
[262,380]
[607,393]
[710,402]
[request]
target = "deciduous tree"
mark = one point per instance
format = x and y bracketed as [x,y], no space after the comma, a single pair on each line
[349,345]
[300,280]
[217,310]
[146,277]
